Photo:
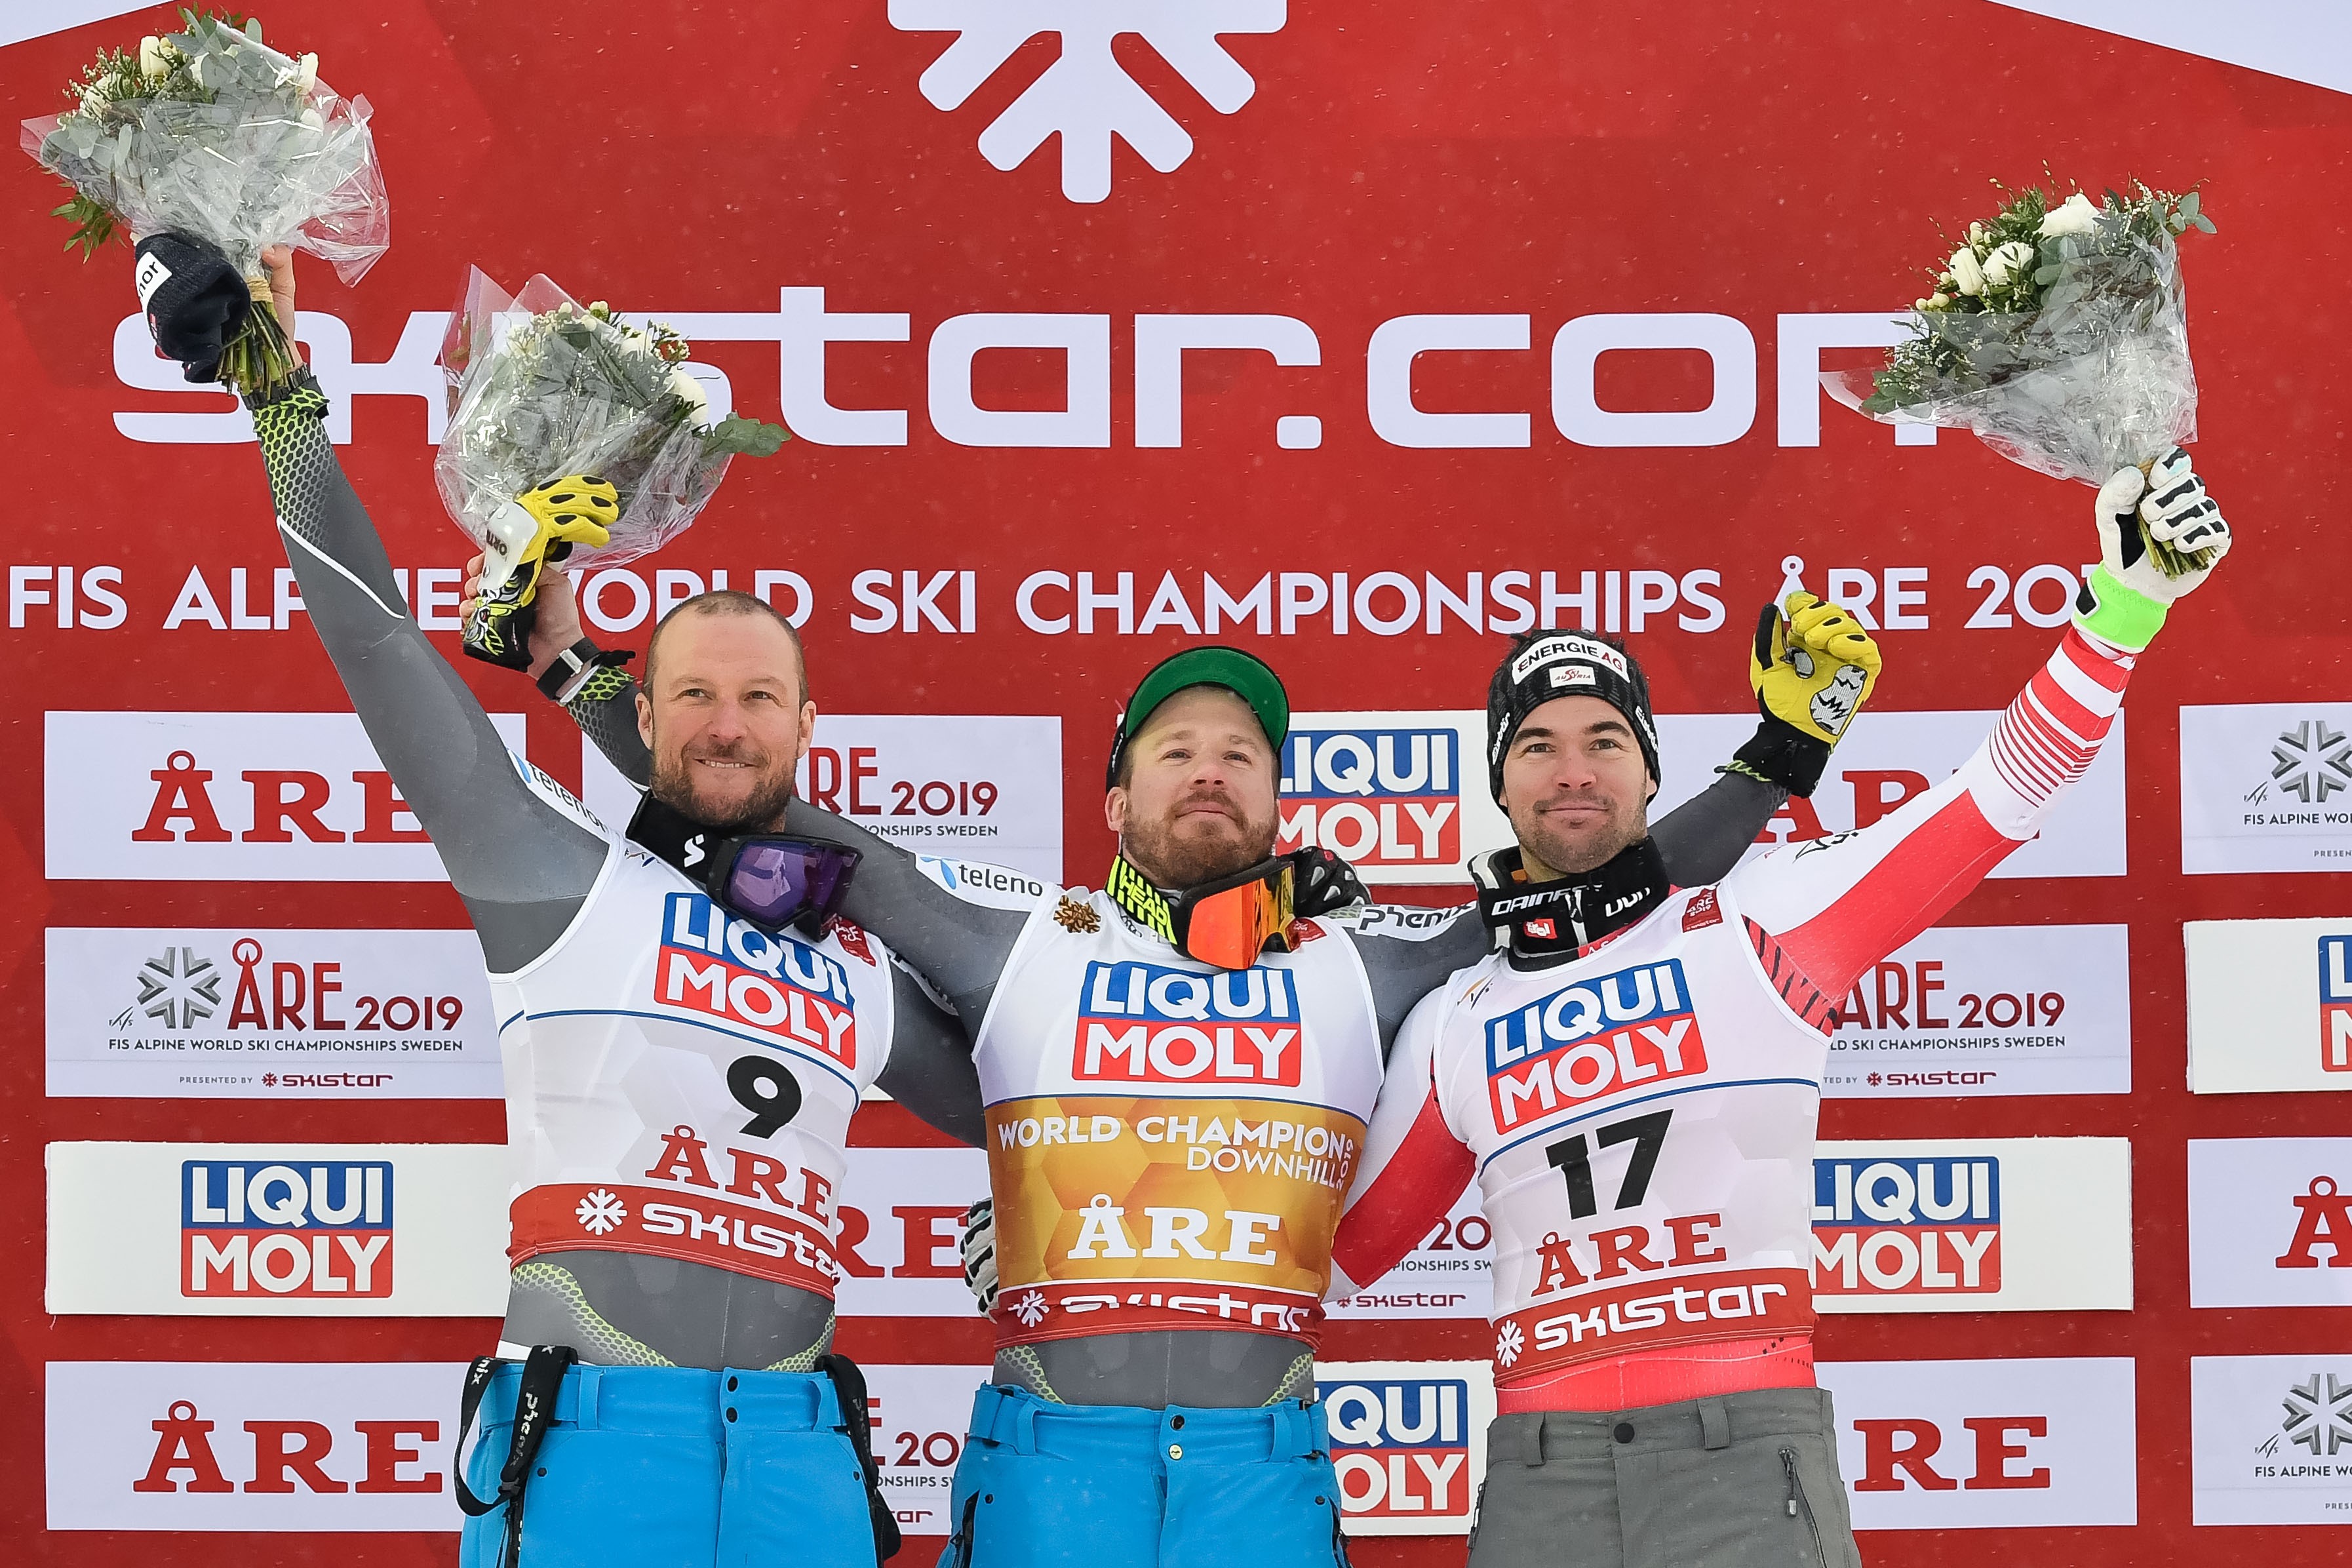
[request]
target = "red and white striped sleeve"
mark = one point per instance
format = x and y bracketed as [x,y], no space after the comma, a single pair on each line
[1413,1166]
[1821,913]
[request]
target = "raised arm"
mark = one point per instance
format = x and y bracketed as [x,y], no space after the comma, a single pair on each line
[1825,911]
[519,859]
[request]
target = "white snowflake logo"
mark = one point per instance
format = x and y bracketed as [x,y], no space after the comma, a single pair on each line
[1085,94]
[1508,1344]
[178,988]
[600,1212]
[2311,762]
[1030,1308]
[2313,1420]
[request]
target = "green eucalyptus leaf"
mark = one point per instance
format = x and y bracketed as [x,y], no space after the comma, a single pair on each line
[736,436]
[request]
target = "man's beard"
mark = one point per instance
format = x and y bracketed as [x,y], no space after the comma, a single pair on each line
[1586,851]
[1175,863]
[673,785]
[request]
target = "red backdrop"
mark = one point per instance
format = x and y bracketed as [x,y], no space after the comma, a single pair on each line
[1518,157]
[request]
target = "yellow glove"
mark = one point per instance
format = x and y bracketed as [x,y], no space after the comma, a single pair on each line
[536,528]
[1813,668]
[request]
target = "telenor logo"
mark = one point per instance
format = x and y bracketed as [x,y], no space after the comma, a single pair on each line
[712,963]
[1377,798]
[1908,1227]
[1401,1447]
[2335,1003]
[1601,1035]
[256,1228]
[1139,1023]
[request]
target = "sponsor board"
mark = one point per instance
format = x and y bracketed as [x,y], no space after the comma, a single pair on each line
[257,1013]
[962,787]
[2270,1222]
[920,1415]
[2270,1438]
[2266,787]
[1409,1441]
[278,1229]
[1989,1010]
[251,1446]
[900,1218]
[1401,795]
[1974,1445]
[229,797]
[1972,1225]
[1450,1275]
[2269,1005]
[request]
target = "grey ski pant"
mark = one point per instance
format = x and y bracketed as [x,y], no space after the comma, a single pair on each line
[1742,1480]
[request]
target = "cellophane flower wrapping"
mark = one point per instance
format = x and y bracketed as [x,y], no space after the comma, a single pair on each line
[232,142]
[2075,363]
[541,387]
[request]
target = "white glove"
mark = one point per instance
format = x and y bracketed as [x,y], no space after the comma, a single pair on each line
[2178,512]
[980,1254]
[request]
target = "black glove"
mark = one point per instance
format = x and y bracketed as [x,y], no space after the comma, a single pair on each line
[1321,882]
[194,300]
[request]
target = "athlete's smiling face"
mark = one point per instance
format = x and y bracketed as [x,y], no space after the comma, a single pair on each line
[726,716]
[1198,800]
[1576,786]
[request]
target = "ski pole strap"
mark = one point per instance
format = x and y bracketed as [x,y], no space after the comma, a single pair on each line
[849,1390]
[543,1377]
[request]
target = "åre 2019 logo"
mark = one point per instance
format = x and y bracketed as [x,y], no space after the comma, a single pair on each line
[731,969]
[1142,1022]
[1591,1038]
[251,1227]
[1906,1227]
[1380,799]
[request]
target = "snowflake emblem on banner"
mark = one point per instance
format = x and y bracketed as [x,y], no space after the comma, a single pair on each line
[1030,1308]
[2311,762]
[2322,1423]
[1085,95]
[179,988]
[600,1212]
[1508,1344]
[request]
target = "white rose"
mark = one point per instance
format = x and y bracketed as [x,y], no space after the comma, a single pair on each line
[2077,215]
[154,57]
[306,74]
[686,388]
[1967,275]
[93,101]
[2007,263]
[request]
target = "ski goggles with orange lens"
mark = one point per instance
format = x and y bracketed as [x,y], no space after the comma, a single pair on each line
[1228,922]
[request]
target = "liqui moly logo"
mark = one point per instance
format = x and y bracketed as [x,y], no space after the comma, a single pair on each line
[1401,1447]
[255,1228]
[1906,1227]
[1378,798]
[714,963]
[2335,1003]
[1614,1032]
[1140,1023]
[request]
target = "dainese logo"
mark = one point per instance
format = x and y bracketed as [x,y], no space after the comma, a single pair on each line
[1401,1447]
[1908,1227]
[1590,1039]
[258,1228]
[1142,1022]
[1381,799]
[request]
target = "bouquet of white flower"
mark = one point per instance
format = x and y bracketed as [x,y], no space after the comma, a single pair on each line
[2059,334]
[543,389]
[210,133]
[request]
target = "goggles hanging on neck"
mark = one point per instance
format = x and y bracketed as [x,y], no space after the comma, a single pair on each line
[772,879]
[1228,922]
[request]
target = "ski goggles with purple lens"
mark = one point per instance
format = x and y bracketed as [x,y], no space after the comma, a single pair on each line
[775,881]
